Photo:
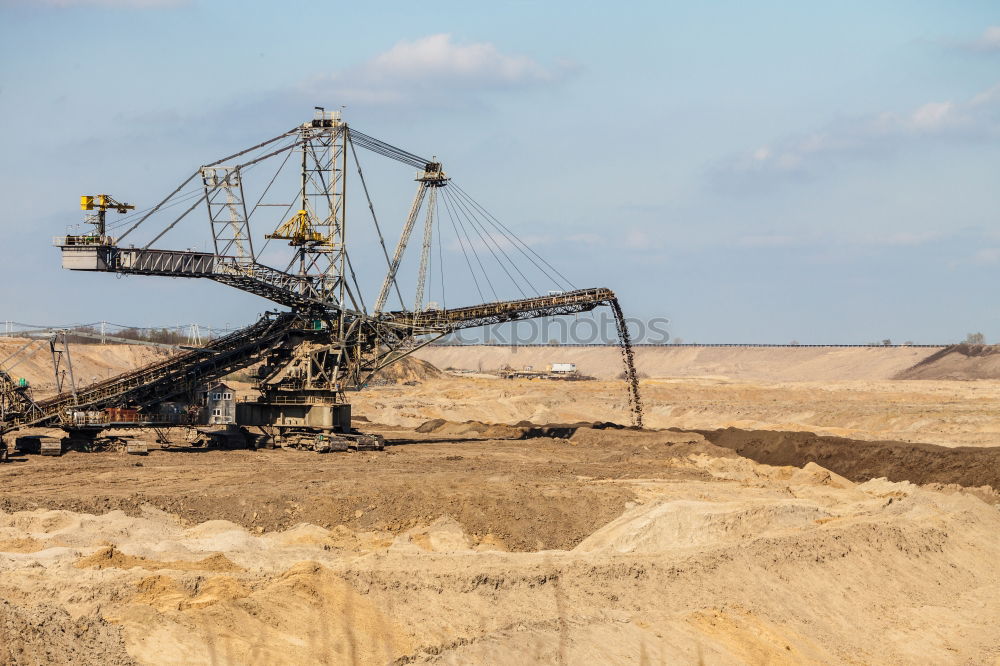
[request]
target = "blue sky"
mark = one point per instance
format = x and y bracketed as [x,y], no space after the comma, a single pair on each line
[756,172]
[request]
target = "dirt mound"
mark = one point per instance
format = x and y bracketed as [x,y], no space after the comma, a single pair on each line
[94,362]
[686,523]
[305,615]
[611,436]
[519,430]
[960,361]
[676,443]
[605,520]
[44,634]
[947,413]
[526,493]
[165,593]
[90,362]
[409,369]
[443,535]
[860,460]
[472,429]
[111,557]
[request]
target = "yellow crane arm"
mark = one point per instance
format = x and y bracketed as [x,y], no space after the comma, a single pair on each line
[103,202]
[298,230]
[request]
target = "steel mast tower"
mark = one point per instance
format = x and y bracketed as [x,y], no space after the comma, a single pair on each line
[324,200]
[318,229]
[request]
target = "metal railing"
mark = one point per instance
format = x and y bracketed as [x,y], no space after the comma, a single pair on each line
[85,240]
[104,419]
[279,399]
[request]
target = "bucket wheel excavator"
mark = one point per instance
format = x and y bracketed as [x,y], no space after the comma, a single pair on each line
[325,341]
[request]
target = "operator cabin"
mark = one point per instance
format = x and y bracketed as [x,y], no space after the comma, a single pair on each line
[220,403]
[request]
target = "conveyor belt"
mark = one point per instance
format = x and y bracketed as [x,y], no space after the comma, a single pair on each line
[167,379]
[570,302]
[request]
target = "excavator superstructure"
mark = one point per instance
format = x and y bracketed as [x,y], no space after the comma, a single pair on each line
[326,342]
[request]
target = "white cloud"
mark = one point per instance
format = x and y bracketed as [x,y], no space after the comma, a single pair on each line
[932,116]
[437,57]
[803,155]
[989,40]
[986,256]
[434,67]
[110,4]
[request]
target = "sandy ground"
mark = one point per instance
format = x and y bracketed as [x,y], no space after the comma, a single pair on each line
[471,543]
[608,547]
[32,359]
[949,413]
[769,364]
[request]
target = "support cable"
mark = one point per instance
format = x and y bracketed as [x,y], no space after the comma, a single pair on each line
[238,168]
[267,189]
[447,203]
[187,196]
[196,173]
[530,285]
[122,220]
[158,206]
[126,219]
[485,233]
[387,150]
[430,271]
[174,223]
[357,288]
[371,207]
[283,216]
[290,132]
[500,263]
[515,238]
[444,299]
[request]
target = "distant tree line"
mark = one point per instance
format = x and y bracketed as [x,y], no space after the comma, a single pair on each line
[164,336]
[970,339]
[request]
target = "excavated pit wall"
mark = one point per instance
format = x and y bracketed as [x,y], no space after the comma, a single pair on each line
[855,459]
[861,460]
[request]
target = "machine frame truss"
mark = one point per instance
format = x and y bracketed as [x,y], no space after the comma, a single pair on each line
[328,343]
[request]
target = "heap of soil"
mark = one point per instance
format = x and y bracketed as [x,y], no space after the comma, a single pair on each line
[960,361]
[409,369]
[305,615]
[45,634]
[89,361]
[520,430]
[472,429]
[861,460]
[111,557]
